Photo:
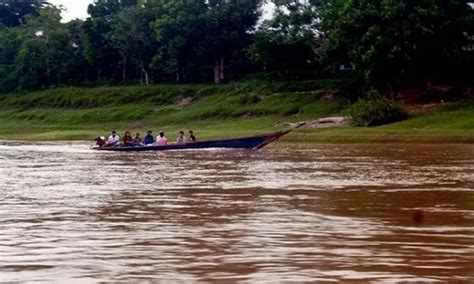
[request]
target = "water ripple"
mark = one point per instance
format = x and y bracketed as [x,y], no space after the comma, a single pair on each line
[288,213]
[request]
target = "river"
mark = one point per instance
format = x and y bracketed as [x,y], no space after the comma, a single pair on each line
[290,212]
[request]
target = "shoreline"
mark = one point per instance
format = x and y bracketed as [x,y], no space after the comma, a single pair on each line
[307,136]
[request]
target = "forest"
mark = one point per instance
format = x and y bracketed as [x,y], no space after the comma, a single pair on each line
[383,44]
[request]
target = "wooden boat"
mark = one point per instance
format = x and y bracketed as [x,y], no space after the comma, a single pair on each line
[254,142]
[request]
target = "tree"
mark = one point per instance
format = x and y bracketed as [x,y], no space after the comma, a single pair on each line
[178,28]
[78,43]
[99,50]
[208,31]
[96,44]
[133,37]
[106,9]
[228,27]
[10,41]
[390,42]
[13,12]
[287,44]
[44,55]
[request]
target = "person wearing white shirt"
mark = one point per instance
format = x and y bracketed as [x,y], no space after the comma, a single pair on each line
[114,139]
[181,138]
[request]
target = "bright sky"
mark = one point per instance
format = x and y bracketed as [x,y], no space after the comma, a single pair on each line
[78,9]
[74,8]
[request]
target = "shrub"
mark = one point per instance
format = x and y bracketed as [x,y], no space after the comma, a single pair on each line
[376,111]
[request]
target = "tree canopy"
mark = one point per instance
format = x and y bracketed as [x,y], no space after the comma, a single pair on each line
[397,42]
[386,44]
[13,12]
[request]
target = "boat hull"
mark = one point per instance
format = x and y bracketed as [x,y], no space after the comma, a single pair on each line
[256,142]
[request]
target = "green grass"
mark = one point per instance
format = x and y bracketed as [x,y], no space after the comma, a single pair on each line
[82,97]
[453,123]
[213,111]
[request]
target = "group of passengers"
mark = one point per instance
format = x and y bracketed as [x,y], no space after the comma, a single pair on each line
[148,140]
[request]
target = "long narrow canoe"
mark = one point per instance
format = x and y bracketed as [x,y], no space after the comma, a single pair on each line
[254,142]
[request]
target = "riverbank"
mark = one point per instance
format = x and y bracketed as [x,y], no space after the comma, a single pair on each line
[230,110]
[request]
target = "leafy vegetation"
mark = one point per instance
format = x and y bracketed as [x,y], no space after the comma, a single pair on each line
[13,13]
[376,111]
[390,45]
[395,44]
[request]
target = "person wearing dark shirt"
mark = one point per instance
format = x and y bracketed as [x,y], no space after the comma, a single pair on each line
[149,139]
[127,139]
[192,138]
[100,141]
[137,140]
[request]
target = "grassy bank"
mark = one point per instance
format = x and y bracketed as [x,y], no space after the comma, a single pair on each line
[214,111]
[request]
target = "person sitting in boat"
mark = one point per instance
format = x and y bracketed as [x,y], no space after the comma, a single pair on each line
[137,140]
[113,140]
[181,138]
[127,139]
[192,138]
[149,139]
[100,141]
[161,139]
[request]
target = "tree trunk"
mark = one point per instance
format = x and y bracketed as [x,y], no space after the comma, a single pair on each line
[99,74]
[145,73]
[217,72]
[124,69]
[222,68]
[280,75]
[48,72]
[147,77]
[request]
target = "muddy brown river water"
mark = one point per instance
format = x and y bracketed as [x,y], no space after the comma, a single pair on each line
[299,213]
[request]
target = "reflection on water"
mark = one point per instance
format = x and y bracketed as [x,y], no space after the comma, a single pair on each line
[287,213]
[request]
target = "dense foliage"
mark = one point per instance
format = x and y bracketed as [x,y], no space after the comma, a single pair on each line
[376,110]
[13,12]
[388,44]
[399,43]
